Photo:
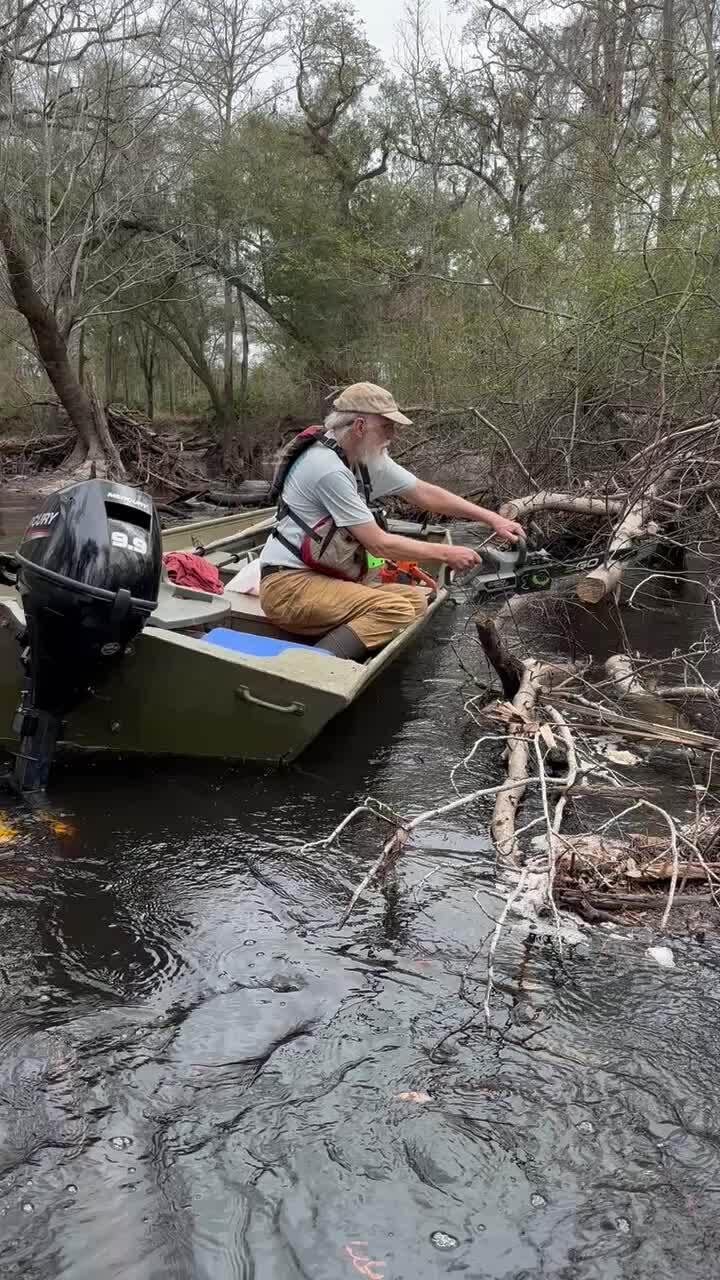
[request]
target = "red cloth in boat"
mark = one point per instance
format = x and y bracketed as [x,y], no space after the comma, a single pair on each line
[187,570]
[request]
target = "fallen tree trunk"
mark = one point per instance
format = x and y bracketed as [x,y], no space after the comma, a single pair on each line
[616,901]
[707,691]
[637,518]
[519,508]
[248,493]
[630,689]
[601,582]
[502,826]
[12,445]
[622,673]
[602,719]
[607,853]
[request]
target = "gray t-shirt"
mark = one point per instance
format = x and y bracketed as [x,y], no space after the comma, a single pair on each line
[320,485]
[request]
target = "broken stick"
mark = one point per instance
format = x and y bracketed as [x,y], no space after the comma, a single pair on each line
[508,667]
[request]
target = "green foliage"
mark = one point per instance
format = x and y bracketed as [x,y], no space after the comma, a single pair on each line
[486,231]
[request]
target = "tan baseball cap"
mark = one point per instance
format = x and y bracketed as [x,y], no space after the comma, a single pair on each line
[366,397]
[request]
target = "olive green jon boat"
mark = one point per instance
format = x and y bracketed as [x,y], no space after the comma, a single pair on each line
[178,693]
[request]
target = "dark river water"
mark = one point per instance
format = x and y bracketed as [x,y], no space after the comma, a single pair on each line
[200,1071]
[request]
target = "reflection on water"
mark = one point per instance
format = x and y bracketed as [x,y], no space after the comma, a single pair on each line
[200,1072]
[15,512]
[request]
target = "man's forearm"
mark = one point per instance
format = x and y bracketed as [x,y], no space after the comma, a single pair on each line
[444,503]
[396,546]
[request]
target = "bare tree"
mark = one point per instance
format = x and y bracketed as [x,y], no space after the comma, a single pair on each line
[77,103]
[227,49]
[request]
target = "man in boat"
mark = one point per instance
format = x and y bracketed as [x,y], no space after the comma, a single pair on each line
[313,564]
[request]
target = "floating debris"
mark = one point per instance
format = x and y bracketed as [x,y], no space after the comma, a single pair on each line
[537,1201]
[617,755]
[441,1240]
[60,828]
[662,956]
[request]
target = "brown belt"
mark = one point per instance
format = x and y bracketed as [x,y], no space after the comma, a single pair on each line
[267,569]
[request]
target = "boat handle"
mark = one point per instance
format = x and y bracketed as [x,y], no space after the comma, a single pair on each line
[291,709]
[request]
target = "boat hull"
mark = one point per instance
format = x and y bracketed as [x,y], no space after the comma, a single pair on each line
[178,696]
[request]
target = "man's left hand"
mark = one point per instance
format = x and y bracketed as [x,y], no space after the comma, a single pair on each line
[509,529]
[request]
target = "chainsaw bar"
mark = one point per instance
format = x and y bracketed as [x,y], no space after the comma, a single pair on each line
[539,572]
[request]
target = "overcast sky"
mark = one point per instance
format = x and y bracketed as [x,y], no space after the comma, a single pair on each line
[382,19]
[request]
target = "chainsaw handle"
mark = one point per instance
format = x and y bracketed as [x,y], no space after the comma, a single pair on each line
[504,561]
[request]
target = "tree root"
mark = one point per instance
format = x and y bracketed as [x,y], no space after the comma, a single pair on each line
[131,449]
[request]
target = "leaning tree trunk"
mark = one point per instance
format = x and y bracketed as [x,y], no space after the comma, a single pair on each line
[245,360]
[145,344]
[667,86]
[170,384]
[111,365]
[82,356]
[190,349]
[149,376]
[229,420]
[107,444]
[51,347]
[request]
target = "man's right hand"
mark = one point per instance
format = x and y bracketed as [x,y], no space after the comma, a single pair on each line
[461,558]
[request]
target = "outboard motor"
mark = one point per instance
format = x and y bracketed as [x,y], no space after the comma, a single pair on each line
[88,572]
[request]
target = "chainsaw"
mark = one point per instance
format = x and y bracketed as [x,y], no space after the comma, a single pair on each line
[520,571]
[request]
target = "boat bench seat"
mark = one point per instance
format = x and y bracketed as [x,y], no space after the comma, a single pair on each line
[253,646]
[245,606]
[180,608]
[184,609]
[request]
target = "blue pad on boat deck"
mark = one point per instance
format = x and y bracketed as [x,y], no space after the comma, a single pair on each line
[255,646]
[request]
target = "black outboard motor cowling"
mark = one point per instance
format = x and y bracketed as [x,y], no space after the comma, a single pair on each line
[89,569]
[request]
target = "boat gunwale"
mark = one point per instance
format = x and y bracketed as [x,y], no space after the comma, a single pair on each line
[355,675]
[190,526]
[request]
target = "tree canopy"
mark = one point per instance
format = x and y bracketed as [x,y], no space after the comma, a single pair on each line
[235,205]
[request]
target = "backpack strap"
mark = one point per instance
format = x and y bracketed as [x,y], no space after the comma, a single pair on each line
[286,512]
[363,473]
[366,482]
[289,456]
[288,545]
[329,442]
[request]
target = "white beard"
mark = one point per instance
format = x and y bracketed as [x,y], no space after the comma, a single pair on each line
[371,455]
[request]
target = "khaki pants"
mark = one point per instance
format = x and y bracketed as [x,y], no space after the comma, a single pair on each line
[311,604]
